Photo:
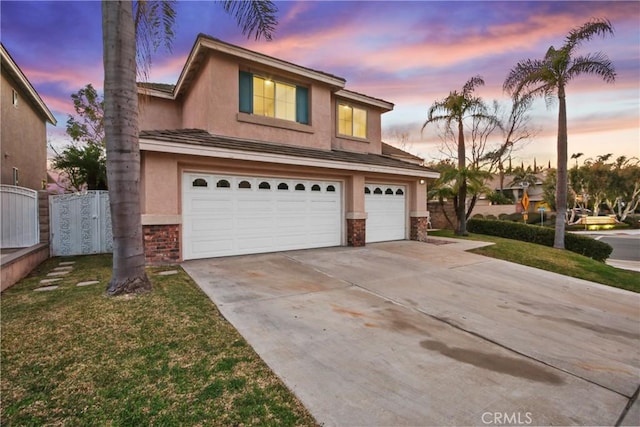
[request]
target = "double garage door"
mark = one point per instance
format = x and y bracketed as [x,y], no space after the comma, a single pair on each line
[236,215]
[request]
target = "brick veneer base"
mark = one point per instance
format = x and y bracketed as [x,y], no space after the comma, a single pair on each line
[161,244]
[356,232]
[419,226]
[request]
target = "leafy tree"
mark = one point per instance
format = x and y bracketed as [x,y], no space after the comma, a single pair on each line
[84,161]
[125,33]
[627,183]
[614,184]
[549,76]
[447,186]
[455,109]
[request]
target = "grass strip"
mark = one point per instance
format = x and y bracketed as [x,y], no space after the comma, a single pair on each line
[550,259]
[73,356]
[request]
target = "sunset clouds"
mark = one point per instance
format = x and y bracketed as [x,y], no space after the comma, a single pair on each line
[408,53]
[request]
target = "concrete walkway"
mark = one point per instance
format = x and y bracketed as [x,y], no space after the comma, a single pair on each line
[408,333]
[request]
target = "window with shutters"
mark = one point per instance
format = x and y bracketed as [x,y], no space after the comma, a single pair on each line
[267,97]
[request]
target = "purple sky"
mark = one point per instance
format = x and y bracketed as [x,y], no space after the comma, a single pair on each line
[408,53]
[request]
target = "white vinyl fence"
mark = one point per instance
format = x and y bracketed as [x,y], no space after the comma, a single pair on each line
[80,224]
[20,227]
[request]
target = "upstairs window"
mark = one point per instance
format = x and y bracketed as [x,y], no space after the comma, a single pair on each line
[352,121]
[271,98]
[15,97]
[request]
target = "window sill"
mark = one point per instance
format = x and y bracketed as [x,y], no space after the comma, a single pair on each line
[272,122]
[353,138]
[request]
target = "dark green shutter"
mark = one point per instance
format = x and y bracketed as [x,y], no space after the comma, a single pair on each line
[246,92]
[302,105]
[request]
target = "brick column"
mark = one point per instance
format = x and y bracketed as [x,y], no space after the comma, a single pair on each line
[356,232]
[161,244]
[419,226]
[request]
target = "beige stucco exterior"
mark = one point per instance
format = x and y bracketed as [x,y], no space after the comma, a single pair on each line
[23,132]
[206,97]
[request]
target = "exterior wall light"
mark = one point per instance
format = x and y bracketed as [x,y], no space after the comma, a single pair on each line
[422,181]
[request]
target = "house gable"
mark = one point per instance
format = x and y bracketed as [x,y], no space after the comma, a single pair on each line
[219,91]
[23,128]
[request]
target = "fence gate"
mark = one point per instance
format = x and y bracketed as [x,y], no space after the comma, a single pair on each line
[20,227]
[80,224]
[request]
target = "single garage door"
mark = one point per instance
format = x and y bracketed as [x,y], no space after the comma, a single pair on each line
[385,207]
[235,215]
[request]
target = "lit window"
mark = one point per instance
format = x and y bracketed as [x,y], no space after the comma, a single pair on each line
[274,99]
[352,121]
[271,98]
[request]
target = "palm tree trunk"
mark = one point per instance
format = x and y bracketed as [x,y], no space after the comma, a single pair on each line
[561,183]
[462,192]
[123,154]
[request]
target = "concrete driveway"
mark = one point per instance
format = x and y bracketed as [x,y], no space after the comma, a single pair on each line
[409,333]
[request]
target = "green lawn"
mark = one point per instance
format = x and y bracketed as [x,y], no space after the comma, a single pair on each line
[550,259]
[73,356]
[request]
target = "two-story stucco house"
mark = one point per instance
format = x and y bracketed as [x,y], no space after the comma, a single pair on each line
[23,128]
[248,153]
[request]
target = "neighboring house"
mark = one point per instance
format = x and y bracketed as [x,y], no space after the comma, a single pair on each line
[23,141]
[514,189]
[248,153]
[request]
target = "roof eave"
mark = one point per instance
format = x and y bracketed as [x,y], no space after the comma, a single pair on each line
[150,144]
[358,97]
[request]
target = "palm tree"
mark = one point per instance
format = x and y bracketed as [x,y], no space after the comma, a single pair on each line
[122,32]
[549,76]
[455,108]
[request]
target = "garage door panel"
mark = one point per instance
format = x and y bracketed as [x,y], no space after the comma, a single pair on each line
[209,205]
[386,213]
[253,203]
[234,220]
[210,224]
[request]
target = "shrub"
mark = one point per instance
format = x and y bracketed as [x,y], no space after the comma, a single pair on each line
[491,217]
[582,245]
[478,216]
[633,221]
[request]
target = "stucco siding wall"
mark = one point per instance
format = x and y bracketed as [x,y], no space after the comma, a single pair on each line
[159,113]
[160,182]
[23,139]
[199,101]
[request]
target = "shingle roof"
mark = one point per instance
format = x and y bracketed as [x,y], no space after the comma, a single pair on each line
[162,87]
[204,138]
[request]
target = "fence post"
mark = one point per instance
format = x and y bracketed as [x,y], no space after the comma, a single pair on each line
[43,216]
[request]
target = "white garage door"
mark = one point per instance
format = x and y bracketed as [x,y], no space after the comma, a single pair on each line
[235,215]
[385,207]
